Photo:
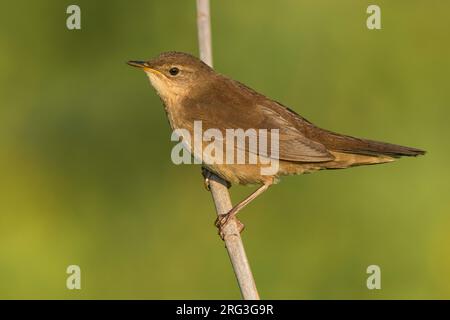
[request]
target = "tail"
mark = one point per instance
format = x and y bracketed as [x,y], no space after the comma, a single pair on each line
[348,144]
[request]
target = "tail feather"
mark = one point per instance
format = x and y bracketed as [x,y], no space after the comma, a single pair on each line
[348,144]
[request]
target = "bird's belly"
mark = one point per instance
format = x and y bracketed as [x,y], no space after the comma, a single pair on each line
[252,174]
[241,173]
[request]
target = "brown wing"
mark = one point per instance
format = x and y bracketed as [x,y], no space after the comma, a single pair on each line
[241,108]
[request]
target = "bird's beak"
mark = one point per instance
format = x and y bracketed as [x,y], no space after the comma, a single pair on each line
[143,65]
[139,64]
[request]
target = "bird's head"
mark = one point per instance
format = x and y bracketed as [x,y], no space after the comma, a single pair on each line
[174,74]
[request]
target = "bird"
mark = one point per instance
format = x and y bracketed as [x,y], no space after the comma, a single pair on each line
[191,91]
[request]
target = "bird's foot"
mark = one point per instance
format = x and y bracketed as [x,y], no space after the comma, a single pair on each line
[227,184]
[224,219]
[207,176]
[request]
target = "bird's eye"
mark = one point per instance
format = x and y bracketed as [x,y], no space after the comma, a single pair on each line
[174,71]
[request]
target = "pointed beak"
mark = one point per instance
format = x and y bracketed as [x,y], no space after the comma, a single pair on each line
[138,64]
[143,65]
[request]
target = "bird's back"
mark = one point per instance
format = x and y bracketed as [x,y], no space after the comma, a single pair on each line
[331,140]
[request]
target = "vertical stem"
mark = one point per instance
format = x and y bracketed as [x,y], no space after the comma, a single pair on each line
[219,190]
[204,31]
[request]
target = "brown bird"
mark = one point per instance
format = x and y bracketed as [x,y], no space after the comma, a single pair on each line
[192,91]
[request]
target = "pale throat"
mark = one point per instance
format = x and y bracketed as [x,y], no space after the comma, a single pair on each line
[170,94]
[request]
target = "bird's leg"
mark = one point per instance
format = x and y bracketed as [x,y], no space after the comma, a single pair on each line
[223,219]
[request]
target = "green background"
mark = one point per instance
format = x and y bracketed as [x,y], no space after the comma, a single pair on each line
[86,176]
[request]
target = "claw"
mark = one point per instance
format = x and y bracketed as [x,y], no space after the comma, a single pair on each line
[223,219]
[206,174]
[206,184]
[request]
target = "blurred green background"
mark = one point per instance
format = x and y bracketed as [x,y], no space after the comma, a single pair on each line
[86,176]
